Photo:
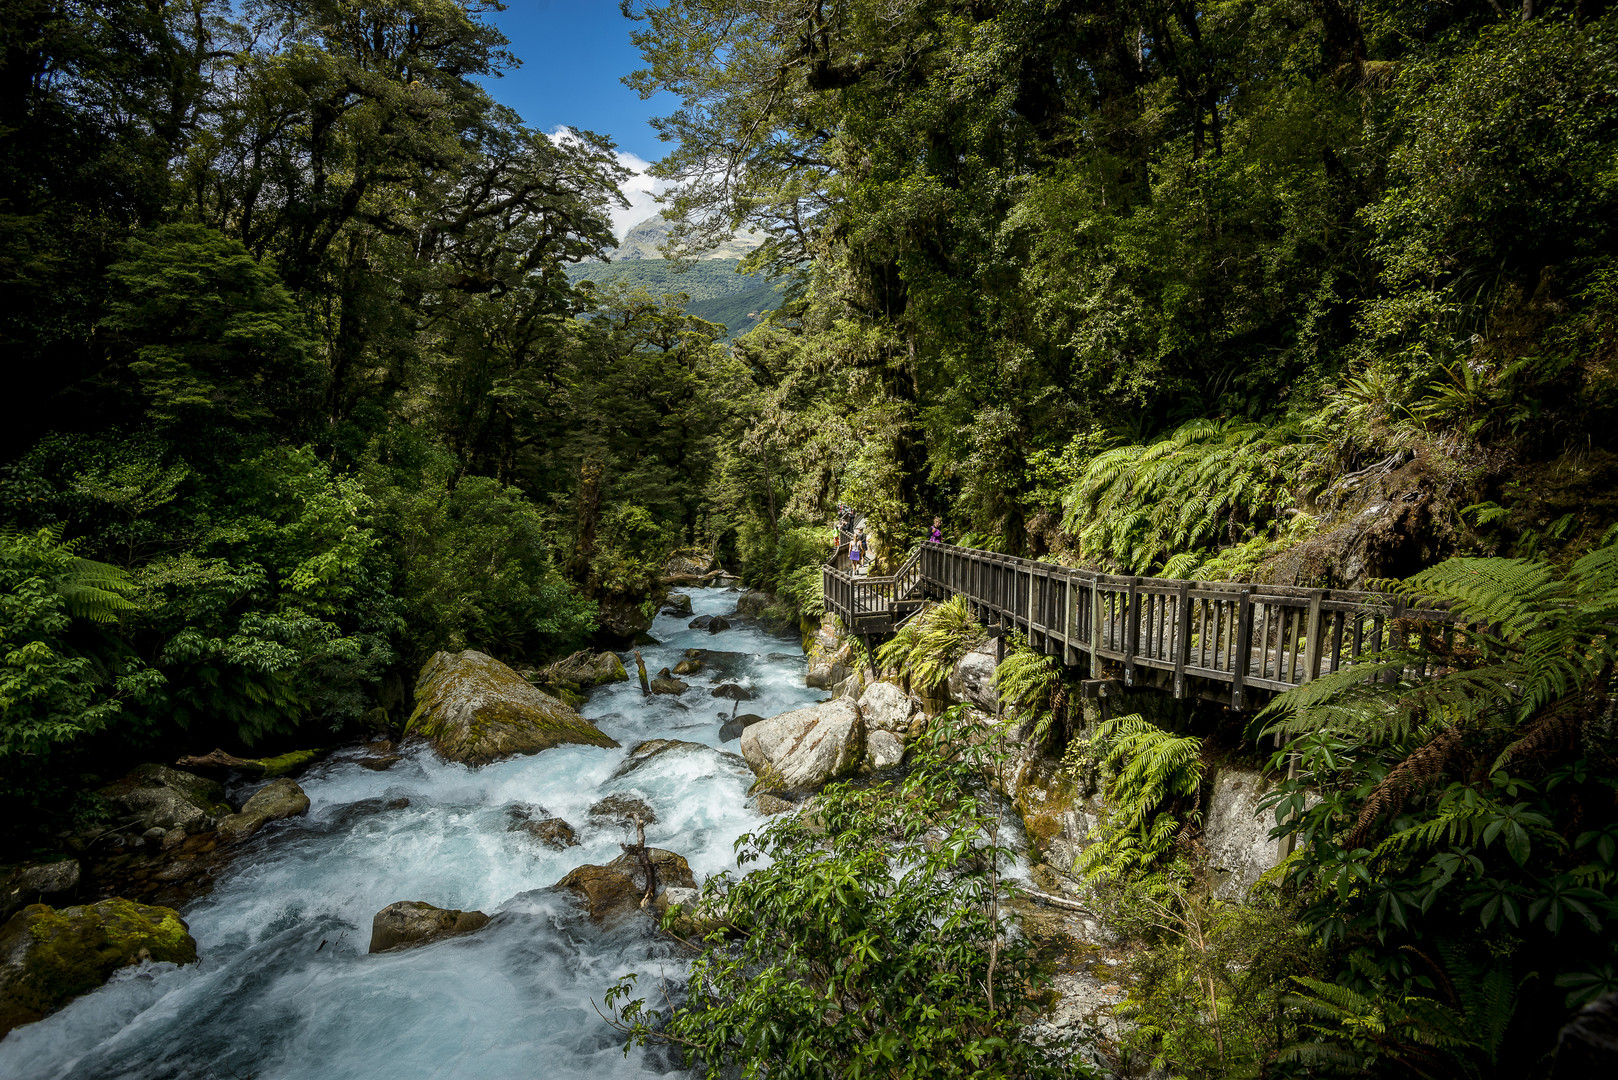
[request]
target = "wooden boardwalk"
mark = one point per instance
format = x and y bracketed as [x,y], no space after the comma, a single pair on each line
[1209,639]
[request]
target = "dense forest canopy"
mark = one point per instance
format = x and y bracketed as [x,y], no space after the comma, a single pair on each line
[311,375]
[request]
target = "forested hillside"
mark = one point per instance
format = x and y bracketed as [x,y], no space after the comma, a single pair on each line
[716,291]
[314,370]
[298,394]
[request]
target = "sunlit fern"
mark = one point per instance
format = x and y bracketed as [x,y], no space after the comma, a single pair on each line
[1030,683]
[96,591]
[927,648]
[1136,506]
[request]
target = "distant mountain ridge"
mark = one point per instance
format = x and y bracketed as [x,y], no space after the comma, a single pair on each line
[718,293]
[645,241]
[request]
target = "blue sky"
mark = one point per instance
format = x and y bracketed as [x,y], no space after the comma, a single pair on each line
[573,53]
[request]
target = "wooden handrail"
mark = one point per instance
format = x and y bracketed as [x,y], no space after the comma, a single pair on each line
[1230,637]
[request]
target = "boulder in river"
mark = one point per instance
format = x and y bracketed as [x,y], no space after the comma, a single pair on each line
[806,748]
[655,748]
[666,683]
[623,617]
[274,801]
[830,660]
[689,666]
[552,832]
[612,892]
[678,604]
[50,956]
[699,623]
[409,923]
[972,681]
[163,798]
[717,623]
[733,728]
[623,810]
[474,709]
[890,714]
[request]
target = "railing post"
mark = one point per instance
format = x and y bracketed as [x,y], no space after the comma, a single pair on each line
[1316,629]
[1244,648]
[1095,626]
[1131,631]
[1182,638]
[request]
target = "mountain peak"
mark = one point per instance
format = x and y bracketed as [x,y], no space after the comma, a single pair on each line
[645,239]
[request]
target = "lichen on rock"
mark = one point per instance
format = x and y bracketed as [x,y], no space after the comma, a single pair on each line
[474,710]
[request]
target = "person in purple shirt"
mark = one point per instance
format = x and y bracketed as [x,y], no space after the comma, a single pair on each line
[937,534]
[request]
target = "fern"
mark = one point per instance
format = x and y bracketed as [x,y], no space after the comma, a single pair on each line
[91,590]
[1031,683]
[926,649]
[1148,767]
[1206,485]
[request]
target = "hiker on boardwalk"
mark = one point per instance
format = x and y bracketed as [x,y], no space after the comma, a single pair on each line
[936,535]
[854,556]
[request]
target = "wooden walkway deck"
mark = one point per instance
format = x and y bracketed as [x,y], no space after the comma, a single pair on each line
[1208,639]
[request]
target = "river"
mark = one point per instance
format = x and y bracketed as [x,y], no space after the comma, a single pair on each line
[284,988]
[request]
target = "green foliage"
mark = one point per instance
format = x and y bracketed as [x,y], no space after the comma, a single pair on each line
[216,336]
[871,939]
[1463,804]
[1031,683]
[53,692]
[926,649]
[1209,978]
[1148,771]
[1209,483]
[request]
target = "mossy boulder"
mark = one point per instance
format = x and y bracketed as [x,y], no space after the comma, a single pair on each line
[611,892]
[24,885]
[48,956]
[274,801]
[414,922]
[163,798]
[474,709]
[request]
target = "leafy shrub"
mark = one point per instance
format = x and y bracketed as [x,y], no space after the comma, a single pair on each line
[871,940]
[1147,771]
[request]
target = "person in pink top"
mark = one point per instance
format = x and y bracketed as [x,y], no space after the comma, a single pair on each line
[936,536]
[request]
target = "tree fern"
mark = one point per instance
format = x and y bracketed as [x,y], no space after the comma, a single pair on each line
[1031,684]
[91,590]
[1204,486]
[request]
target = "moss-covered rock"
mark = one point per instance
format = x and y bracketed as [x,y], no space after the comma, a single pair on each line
[48,957]
[474,709]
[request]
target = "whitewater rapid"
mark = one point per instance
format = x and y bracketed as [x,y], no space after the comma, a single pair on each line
[284,988]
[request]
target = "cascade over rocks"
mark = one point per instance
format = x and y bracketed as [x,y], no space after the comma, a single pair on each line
[613,892]
[711,623]
[805,749]
[474,710]
[655,748]
[409,923]
[50,956]
[274,801]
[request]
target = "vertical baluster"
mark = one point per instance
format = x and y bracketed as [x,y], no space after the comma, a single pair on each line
[1244,648]
[1182,637]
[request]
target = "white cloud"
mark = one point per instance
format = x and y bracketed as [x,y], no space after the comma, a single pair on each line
[641,189]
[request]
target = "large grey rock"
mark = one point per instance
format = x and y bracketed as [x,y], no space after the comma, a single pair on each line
[972,681]
[677,603]
[475,710]
[887,708]
[883,750]
[752,603]
[1237,834]
[50,956]
[413,922]
[163,798]
[274,801]
[806,748]
[23,885]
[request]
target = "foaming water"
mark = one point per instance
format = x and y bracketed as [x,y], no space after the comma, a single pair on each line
[284,987]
